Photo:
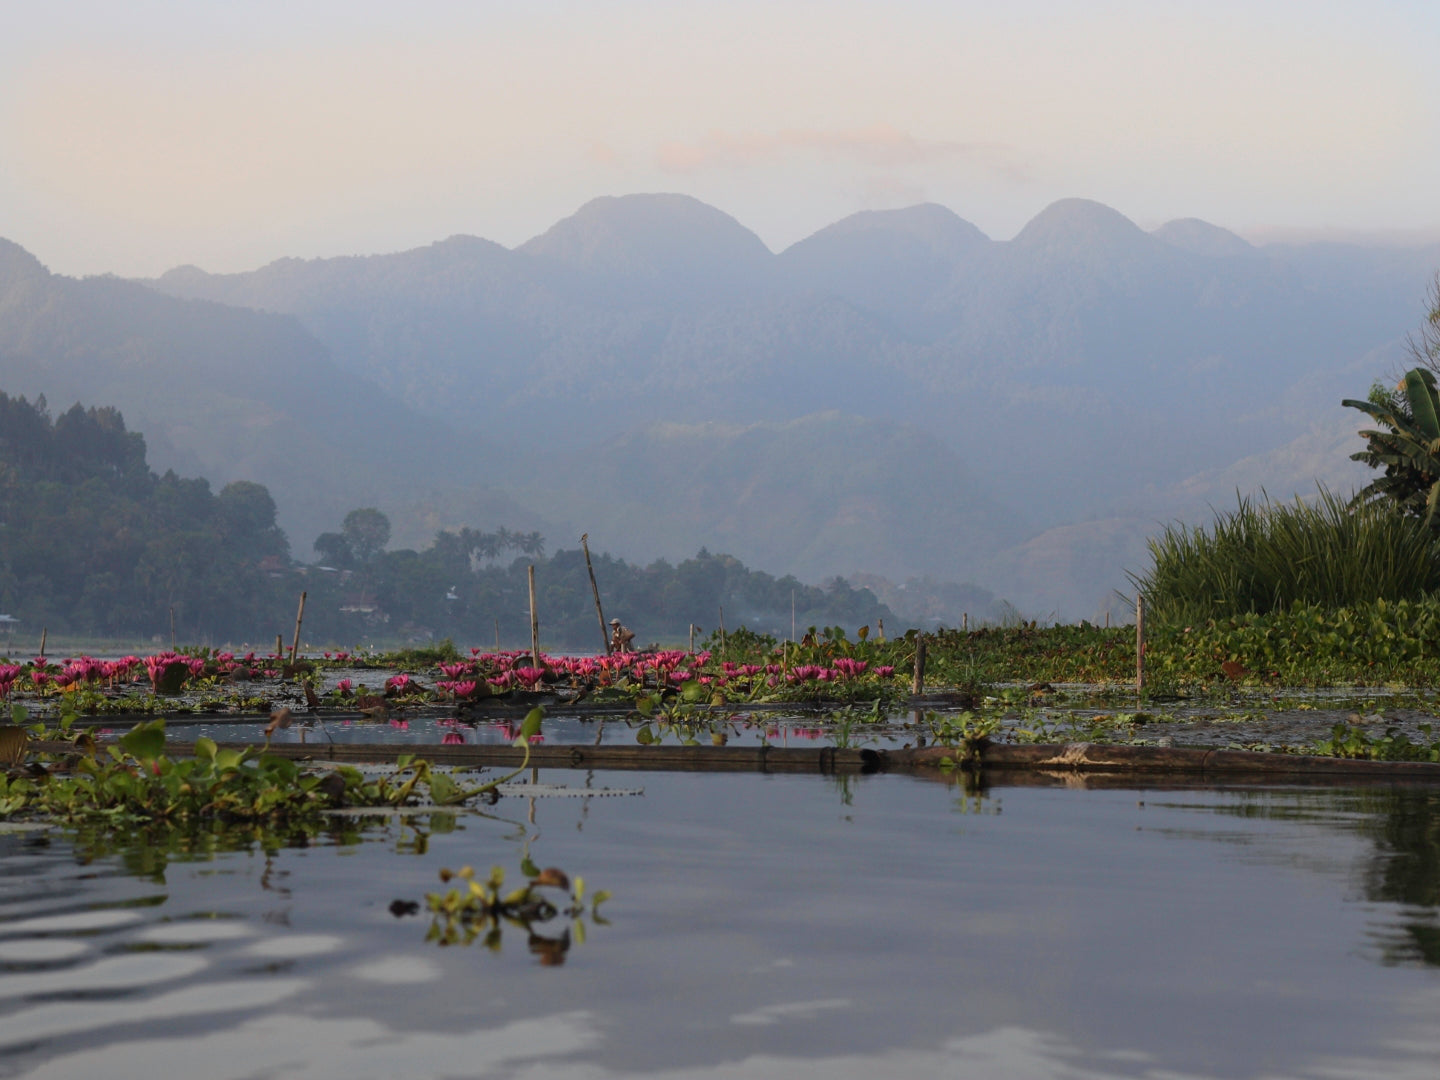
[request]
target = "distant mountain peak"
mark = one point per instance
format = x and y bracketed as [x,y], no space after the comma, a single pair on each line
[652,237]
[179,276]
[1202,238]
[1081,223]
[937,227]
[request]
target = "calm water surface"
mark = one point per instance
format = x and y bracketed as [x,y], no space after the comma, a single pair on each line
[791,926]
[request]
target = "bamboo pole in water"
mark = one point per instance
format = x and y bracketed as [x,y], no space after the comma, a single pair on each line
[299,618]
[595,590]
[534,622]
[44,632]
[917,687]
[1139,645]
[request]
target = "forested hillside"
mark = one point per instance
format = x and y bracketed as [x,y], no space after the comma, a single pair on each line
[92,541]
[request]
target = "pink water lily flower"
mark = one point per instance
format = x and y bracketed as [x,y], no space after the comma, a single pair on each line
[530,676]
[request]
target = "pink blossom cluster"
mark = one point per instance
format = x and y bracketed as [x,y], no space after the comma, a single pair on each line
[459,688]
[83,669]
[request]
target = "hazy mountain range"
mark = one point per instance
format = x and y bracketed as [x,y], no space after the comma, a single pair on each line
[897,394]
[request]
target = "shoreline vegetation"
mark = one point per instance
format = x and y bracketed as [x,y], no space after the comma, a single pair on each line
[994,684]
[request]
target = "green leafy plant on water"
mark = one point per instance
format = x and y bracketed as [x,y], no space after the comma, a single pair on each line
[1347,741]
[967,733]
[472,910]
[845,721]
[134,780]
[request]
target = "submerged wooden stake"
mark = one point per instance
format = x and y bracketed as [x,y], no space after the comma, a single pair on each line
[595,589]
[497,633]
[172,627]
[299,618]
[1139,645]
[534,622]
[692,639]
[279,646]
[44,632]
[965,621]
[918,686]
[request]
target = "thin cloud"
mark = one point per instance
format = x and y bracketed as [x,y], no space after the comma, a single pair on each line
[880,145]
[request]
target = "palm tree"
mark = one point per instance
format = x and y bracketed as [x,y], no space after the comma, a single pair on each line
[1408,448]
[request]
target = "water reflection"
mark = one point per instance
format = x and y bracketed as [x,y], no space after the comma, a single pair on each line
[1405,870]
[763,925]
[1401,868]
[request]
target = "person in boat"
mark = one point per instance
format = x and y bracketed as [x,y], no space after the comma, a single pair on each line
[620,637]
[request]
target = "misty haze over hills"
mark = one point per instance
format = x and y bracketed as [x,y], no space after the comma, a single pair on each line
[896,394]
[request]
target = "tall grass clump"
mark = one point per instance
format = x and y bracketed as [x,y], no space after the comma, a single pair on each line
[1270,556]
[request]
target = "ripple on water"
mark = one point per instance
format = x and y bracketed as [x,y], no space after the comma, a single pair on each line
[41,950]
[289,946]
[399,970]
[194,932]
[125,972]
[52,1019]
[74,923]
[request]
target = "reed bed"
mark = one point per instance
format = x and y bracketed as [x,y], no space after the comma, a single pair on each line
[1269,556]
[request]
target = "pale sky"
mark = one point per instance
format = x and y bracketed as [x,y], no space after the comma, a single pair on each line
[141,135]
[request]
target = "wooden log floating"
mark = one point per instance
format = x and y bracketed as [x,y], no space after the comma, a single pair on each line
[997,760]
[1125,759]
[1055,758]
[826,760]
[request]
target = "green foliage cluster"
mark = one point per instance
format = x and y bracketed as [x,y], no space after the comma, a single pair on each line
[134,781]
[1346,741]
[1330,553]
[1312,644]
[1269,557]
[91,541]
[1406,446]
[1374,643]
[474,910]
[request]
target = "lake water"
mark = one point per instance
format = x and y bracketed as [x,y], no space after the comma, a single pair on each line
[792,926]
